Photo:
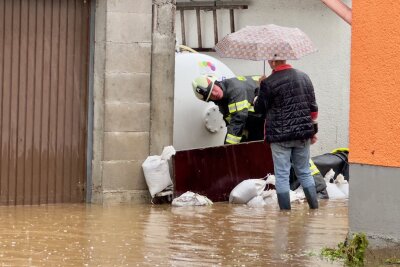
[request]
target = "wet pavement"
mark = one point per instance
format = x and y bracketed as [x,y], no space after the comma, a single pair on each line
[162,235]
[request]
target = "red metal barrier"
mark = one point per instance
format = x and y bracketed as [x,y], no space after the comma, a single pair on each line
[215,171]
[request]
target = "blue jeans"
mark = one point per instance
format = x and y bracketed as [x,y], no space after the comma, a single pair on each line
[286,154]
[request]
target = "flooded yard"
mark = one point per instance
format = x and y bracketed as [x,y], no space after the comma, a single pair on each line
[162,235]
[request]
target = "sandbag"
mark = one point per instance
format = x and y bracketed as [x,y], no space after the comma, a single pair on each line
[334,192]
[342,184]
[191,199]
[344,188]
[247,190]
[270,197]
[156,171]
[256,202]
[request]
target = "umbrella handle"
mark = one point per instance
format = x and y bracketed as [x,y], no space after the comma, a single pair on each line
[264,68]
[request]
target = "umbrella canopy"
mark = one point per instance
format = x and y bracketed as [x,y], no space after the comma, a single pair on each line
[266,42]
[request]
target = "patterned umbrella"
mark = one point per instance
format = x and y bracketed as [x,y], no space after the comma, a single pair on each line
[266,42]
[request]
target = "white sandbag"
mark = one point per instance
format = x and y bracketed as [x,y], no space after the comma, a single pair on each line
[296,196]
[256,202]
[156,171]
[340,179]
[342,184]
[270,197]
[271,179]
[246,190]
[191,199]
[299,192]
[167,153]
[268,193]
[271,201]
[344,188]
[329,175]
[334,192]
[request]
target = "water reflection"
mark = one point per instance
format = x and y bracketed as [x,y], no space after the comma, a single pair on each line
[145,235]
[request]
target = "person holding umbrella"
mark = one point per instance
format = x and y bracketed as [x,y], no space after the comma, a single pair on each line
[287,100]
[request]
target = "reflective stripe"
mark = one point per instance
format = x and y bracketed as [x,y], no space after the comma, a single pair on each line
[340,149]
[241,78]
[238,106]
[228,118]
[256,78]
[314,170]
[232,139]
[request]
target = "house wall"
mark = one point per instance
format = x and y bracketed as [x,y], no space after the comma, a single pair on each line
[374,121]
[329,68]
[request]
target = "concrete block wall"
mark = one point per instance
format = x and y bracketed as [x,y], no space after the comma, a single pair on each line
[121,100]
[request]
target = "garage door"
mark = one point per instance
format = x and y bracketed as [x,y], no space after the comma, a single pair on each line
[43,100]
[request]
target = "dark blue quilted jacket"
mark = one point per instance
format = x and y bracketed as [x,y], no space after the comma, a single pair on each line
[287,99]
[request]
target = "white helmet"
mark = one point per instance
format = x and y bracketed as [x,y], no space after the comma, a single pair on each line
[203,85]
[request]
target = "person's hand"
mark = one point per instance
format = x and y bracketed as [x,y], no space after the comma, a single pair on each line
[314,139]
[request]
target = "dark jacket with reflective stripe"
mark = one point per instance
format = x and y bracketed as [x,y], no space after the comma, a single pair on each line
[237,99]
[287,98]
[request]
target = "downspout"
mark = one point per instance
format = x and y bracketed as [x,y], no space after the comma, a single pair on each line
[340,9]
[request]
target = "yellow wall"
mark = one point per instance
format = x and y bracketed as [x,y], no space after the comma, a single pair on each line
[375,83]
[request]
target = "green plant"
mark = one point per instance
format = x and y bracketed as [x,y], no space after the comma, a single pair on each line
[351,251]
[392,261]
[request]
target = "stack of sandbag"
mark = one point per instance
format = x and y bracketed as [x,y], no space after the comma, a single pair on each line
[252,192]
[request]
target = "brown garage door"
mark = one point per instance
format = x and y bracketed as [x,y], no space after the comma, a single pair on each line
[43,100]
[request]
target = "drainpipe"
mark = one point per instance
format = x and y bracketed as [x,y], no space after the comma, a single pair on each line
[340,9]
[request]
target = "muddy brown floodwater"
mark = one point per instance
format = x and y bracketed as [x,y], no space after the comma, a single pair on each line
[162,235]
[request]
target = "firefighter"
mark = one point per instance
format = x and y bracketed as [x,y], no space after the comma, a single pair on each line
[234,97]
[320,184]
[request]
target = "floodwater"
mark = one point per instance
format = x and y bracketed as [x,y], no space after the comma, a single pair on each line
[162,235]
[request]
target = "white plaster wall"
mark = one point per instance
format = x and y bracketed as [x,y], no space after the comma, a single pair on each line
[329,68]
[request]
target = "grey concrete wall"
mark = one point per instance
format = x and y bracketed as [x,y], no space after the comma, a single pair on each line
[121,100]
[162,75]
[98,100]
[374,203]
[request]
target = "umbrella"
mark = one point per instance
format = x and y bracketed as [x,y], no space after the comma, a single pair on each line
[266,42]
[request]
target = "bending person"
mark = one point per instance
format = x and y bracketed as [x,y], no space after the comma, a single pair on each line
[234,97]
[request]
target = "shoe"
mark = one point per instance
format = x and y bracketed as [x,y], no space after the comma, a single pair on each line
[284,201]
[323,194]
[311,195]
